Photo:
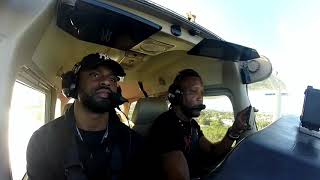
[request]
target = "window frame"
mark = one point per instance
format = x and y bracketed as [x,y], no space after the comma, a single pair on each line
[214,91]
[33,78]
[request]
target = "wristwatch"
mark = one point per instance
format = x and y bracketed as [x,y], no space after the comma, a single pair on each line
[233,135]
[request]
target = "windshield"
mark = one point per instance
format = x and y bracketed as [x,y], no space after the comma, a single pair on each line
[286,32]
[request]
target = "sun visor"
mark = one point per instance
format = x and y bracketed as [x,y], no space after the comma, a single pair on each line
[101,23]
[255,70]
[223,50]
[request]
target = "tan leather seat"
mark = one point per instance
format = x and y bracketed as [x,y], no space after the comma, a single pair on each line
[146,111]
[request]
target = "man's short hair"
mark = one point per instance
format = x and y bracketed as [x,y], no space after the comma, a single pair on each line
[175,89]
[183,74]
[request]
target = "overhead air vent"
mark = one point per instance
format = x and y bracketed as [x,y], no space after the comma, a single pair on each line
[131,59]
[152,47]
[101,23]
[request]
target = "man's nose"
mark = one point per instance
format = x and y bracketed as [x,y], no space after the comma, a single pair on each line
[105,81]
[200,97]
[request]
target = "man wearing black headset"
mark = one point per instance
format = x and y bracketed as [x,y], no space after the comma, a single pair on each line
[175,138]
[88,142]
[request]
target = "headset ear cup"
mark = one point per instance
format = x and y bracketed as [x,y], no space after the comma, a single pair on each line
[174,94]
[69,84]
[178,96]
[171,95]
[171,98]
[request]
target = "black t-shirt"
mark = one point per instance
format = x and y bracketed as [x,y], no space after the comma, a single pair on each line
[94,155]
[107,159]
[169,133]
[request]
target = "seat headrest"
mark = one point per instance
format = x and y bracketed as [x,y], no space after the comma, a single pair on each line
[148,109]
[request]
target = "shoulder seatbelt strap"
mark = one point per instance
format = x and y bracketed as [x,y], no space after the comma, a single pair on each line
[73,168]
[120,148]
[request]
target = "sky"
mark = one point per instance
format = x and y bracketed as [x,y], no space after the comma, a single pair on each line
[285,31]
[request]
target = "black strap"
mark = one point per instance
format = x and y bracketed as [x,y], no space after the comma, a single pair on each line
[120,149]
[142,89]
[72,166]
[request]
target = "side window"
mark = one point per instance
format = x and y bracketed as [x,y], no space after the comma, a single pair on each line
[267,97]
[27,114]
[217,117]
[58,112]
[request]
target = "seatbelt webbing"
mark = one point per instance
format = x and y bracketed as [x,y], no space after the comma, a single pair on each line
[72,164]
[73,168]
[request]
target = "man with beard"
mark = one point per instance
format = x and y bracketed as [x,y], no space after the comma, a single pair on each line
[176,141]
[88,142]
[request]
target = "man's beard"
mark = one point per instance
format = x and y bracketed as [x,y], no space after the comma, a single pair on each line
[192,112]
[94,105]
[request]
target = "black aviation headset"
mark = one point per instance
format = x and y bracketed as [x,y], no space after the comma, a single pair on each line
[175,91]
[70,79]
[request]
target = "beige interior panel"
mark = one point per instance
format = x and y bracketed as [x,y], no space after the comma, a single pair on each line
[30,38]
[58,51]
[158,72]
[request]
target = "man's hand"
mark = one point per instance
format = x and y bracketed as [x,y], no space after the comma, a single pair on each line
[219,149]
[240,124]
